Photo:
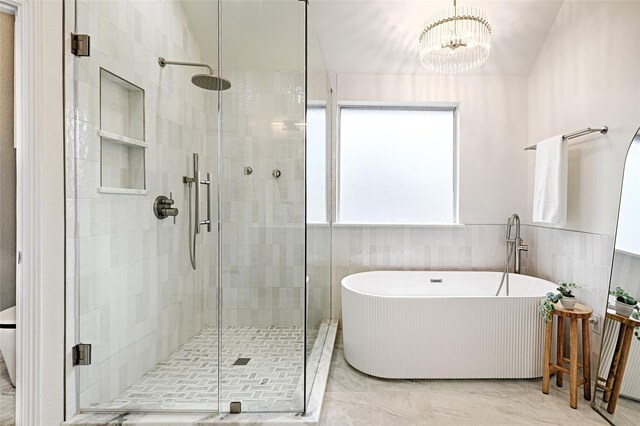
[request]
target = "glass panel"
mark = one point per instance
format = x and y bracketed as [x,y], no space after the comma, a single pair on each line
[262,211]
[149,316]
[318,187]
[417,141]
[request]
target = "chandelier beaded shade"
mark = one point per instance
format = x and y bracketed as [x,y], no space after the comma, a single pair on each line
[455,40]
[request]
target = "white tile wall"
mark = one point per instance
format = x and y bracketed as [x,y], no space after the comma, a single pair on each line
[263,234]
[562,255]
[137,297]
[366,248]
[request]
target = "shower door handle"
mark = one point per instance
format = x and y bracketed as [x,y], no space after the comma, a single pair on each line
[208,183]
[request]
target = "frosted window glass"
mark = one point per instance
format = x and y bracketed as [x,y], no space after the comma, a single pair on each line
[396,166]
[628,235]
[316,166]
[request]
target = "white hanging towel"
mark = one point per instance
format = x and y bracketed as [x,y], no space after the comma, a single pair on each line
[550,190]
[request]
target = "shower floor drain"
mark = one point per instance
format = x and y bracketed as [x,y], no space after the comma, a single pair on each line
[242,361]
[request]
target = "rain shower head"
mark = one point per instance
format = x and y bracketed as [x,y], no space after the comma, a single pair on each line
[210,82]
[203,81]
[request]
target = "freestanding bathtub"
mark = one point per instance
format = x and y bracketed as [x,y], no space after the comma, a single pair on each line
[443,325]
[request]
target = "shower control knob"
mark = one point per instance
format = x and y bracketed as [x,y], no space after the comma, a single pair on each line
[276,173]
[162,207]
[248,170]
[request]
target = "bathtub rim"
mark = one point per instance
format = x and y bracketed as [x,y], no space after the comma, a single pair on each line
[343,286]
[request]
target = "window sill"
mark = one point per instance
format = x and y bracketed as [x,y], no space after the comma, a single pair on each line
[398,225]
[318,224]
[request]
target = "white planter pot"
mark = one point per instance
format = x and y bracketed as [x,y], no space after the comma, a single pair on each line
[568,303]
[623,309]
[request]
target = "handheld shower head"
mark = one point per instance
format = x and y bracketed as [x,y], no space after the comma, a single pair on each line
[203,81]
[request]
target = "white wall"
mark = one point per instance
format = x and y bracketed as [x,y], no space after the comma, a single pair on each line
[587,75]
[492,132]
[492,135]
[51,132]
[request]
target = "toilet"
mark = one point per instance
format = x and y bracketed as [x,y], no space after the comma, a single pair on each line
[8,341]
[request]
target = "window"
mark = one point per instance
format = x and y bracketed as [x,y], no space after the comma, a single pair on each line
[316,165]
[397,165]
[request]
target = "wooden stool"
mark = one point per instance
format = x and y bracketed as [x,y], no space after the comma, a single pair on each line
[579,312]
[619,361]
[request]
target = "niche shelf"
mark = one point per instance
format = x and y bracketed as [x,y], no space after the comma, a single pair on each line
[122,136]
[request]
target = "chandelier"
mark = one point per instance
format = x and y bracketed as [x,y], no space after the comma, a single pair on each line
[455,40]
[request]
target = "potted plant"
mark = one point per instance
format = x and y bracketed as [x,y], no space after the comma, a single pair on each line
[568,300]
[636,316]
[625,303]
[546,305]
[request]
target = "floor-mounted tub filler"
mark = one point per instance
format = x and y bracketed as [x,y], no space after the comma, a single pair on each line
[443,325]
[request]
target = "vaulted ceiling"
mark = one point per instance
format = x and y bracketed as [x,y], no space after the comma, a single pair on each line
[361,36]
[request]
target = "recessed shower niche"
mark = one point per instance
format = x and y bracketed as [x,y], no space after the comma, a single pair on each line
[122,136]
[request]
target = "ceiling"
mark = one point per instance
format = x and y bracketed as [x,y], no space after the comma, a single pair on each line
[373,37]
[361,36]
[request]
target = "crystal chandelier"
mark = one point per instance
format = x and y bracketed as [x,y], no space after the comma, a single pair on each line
[455,40]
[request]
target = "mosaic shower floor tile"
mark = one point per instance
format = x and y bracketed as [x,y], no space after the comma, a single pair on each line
[188,379]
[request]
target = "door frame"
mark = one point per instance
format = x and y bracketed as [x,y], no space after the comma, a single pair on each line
[39,141]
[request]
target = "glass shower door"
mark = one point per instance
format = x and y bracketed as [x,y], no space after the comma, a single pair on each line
[262,202]
[132,129]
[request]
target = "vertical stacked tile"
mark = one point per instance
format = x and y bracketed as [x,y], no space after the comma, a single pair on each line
[137,297]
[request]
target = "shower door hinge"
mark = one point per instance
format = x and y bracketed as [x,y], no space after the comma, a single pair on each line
[80,44]
[82,354]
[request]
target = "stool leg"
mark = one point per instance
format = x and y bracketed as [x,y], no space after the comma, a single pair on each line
[560,353]
[615,392]
[547,357]
[611,378]
[586,359]
[573,363]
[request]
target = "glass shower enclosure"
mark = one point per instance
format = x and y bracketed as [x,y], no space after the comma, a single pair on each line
[194,281]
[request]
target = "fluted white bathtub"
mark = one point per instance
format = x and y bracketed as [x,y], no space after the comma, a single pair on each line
[443,325]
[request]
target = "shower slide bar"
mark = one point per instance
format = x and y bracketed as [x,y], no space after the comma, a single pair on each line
[196,181]
[197,178]
[576,134]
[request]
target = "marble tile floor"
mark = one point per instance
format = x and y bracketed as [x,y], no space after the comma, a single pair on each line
[7,397]
[353,398]
[188,378]
[627,411]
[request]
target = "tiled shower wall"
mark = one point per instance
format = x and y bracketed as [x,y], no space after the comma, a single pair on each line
[263,232]
[137,297]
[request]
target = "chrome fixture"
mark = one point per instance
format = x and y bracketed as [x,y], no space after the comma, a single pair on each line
[194,218]
[515,246]
[276,173]
[248,170]
[516,243]
[576,134]
[203,81]
[455,40]
[162,207]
